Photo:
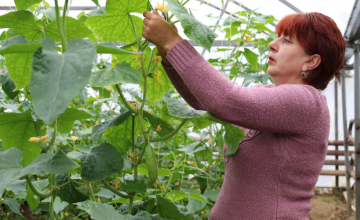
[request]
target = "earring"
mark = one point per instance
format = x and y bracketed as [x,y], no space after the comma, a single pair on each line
[303,74]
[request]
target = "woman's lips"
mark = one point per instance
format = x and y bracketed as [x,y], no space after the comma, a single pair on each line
[270,59]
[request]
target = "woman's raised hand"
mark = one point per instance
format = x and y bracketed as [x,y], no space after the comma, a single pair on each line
[159,32]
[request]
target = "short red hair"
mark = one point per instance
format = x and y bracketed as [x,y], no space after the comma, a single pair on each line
[317,34]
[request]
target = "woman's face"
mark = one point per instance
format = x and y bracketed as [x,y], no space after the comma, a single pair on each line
[286,61]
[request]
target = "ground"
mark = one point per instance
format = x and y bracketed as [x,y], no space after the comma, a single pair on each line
[329,204]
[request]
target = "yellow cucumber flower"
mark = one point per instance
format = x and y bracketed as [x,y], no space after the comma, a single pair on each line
[166,9]
[248,38]
[160,7]
[44,137]
[74,138]
[34,139]
[158,128]
[157,75]
[156,58]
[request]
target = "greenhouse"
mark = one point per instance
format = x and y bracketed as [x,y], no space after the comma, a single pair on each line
[179,109]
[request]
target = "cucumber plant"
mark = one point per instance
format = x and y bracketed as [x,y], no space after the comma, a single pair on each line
[47,73]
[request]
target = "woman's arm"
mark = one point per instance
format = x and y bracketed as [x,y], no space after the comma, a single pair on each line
[285,109]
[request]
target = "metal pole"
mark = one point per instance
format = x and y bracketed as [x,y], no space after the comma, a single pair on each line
[336,129]
[217,23]
[357,126]
[346,147]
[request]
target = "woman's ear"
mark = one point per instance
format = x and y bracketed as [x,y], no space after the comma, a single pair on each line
[312,62]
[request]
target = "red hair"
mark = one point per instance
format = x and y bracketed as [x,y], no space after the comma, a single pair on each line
[317,34]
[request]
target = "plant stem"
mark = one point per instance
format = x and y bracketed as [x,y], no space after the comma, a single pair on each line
[135,32]
[170,134]
[64,18]
[185,2]
[148,67]
[124,100]
[37,193]
[61,33]
[112,189]
[52,147]
[174,22]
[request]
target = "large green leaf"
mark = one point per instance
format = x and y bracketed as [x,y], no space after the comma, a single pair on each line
[13,205]
[10,167]
[179,110]
[120,136]
[133,186]
[67,119]
[68,192]
[57,78]
[100,128]
[24,23]
[74,29]
[104,212]
[19,67]
[30,198]
[195,205]
[116,25]
[195,30]
[18,44]
[233,135]
[122,73]
[103,160]
[168,210]
[57,163]
[25,4]
[15,131]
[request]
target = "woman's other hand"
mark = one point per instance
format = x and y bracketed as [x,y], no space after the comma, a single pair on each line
[159,32]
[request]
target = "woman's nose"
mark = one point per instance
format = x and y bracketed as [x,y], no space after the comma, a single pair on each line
[272,45]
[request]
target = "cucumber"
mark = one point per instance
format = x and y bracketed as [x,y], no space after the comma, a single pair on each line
[151,164]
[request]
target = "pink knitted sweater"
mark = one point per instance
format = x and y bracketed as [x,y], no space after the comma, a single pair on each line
[274,172]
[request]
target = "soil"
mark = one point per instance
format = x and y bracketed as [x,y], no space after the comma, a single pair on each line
[329,204]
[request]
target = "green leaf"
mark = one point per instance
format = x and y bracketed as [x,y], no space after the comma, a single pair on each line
[100,128]
[49,13]
[57,78]
[104,212]
[19,67]
[21,23]
[110,47]
[178,195]
[212,194]
[86,205]
[195,205]
[154,121]
[194,29]
[105,193]
[59,205]
[67,119]
[122,73]
[57,163]
[198,197]
[8,86]
[179,110]
[30,198]
[15,131]
[74,29]
[68,192]
[41,185]
[168,210]
[142,169]
[96,2]
[118,23]
[13,205]
[233,135]
[252,58]
[103,160]
[133,186]
[120,136]
[10,167]
[16,186]
[18,44]
[25,4]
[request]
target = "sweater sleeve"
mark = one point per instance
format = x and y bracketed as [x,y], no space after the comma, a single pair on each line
[284,109]
[182,89]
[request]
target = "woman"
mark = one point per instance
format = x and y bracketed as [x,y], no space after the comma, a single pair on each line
[274,172]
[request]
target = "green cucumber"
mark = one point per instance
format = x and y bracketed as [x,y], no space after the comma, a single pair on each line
[151,164]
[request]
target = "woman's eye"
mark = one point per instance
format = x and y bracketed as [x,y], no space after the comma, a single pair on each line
[286,40]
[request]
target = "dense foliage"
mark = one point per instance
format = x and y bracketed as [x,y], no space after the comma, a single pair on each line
[83,136]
